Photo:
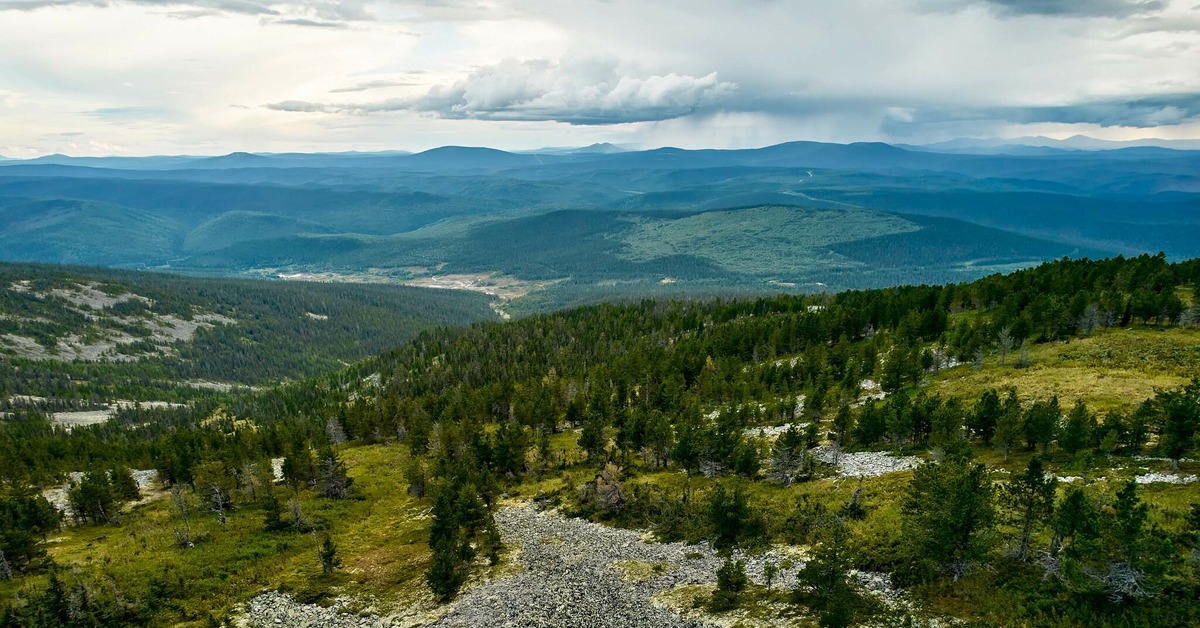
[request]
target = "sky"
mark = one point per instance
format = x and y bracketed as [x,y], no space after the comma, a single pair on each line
[206,77]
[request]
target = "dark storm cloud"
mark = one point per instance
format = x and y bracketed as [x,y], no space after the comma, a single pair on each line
[1078,8]
[1151,111]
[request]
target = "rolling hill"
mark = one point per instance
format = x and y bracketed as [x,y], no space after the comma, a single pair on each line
[574,226]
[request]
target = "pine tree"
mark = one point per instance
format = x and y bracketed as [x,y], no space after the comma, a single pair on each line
[329,558]
[297,467]
[124,485]
[730,517]
[1077,432]
[1130,515]
[659,437]
[1180,412]
[770,570]
[93,499]
[843,422]
[984,416]
[1008,424]
[414,473]
[1041,424]
[947,515]
[1075,519]
[272,511]
[492,544]
[1030,501]
[824,581]
[592,439]
[731,580]
[443,576]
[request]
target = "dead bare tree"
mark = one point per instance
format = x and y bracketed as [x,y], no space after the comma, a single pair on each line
[1004,341]
[218,502]
[298,520]
[1090,319]
[183,536]
[335,432]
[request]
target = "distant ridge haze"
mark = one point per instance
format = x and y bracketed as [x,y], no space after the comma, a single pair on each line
[481,156]
[567,226]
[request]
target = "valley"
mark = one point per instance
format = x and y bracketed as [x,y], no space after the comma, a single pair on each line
[580,227]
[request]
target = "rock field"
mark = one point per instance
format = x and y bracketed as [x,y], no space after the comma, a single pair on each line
[569,573]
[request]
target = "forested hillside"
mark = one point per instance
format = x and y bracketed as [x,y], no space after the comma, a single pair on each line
[1018,450]
[176,328]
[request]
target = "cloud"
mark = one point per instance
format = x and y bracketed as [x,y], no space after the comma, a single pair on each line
[307,12]
[370,85]
[1147,112]
[1110,9]
[308,23]
[581,92]
[726,72]
[1054,8]
[300,106]
[1078,8]
[125,112]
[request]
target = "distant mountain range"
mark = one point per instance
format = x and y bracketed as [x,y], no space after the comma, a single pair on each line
[1046,145]
[562,226]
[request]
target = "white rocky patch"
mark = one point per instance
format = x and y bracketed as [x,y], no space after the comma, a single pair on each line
[59,496]
[73,419]
[104,343]
[772,431]
[870,390]
[1166,478]
[1159,459]
[863,464]
[80,418]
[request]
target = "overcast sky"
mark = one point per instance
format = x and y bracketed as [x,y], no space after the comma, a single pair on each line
[136,77]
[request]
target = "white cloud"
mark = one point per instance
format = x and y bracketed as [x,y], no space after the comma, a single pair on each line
[577,92]
[550,72]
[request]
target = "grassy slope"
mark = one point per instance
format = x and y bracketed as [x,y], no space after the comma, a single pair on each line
[381,537]
[1110,369]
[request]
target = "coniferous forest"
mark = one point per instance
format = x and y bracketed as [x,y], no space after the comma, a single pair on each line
[1017,450]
